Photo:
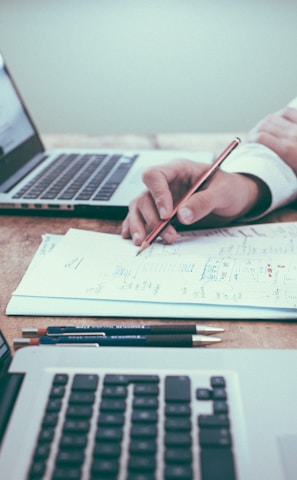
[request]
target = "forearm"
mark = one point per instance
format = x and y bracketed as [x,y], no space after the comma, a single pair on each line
[258,161]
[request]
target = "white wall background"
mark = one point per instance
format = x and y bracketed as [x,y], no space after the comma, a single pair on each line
[146,66]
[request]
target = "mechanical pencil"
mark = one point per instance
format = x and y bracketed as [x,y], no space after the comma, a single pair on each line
[120,341]
[99,330]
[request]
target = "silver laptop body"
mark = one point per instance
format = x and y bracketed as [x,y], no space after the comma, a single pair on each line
[84,182]
[260,398]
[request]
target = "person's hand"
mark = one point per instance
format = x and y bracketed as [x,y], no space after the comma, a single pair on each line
[278,132]
[226,197]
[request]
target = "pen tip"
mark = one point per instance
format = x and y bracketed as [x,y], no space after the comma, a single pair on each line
[208,329]
[199,340]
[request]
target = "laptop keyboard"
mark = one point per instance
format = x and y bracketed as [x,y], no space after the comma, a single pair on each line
[135,427]
[79,177]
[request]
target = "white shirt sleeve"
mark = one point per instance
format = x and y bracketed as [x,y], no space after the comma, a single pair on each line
[259,161]
[293,103]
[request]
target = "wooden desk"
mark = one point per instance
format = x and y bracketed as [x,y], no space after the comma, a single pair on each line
[21,235]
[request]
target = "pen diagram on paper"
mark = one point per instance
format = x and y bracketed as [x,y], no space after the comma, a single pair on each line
[248,269]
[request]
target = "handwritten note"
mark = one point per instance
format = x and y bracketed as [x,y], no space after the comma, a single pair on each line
[251,266]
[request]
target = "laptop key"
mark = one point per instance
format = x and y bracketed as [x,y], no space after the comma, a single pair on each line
[177,389]
[142,463]
[66,474]
[85,382]
[178,455]
[213,437]
[72,440]
[221,420]
[180,472]
[107,450]
[217,464]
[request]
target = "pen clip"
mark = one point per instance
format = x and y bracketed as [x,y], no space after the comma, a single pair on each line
[76,345]
[75,334]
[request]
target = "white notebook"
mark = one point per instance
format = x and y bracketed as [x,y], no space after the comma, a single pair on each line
[236,272]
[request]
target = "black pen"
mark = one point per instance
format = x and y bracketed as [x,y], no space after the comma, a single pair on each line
[172,329]
[120,341]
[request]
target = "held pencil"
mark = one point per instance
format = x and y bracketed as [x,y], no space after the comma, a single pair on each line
[169,329]
[151,237]
[120,341]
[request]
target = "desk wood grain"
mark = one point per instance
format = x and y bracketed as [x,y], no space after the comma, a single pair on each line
[20,237]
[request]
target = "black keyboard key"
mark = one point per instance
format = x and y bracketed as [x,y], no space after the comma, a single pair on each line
[104,468]
[82,398]
[109,434]
[180,472]
[143,447]
[178,424]
[79,411]
[144,379]
[144,431]
[217,464]
[142,463]
[49,420]
[144,416]
[178,455]
[107,450]
[60,379]
[213,421]
[42,451]
[212,437]
[61,473]
[76,426]
[112,405]
[46,435]
[146,389]
[37,469]
[141,476]
[145,402]
[218,382]
[177,389]
[111,419]
[114,391]
[70,457]
[73,441]
[175,439]
[85,382]
[203,394]
[57,391]
[219,394]
[116,380]
[220,406]
[126,379]
[178,410]
[54,405]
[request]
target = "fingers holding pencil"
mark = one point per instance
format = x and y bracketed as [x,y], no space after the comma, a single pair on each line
[171,194]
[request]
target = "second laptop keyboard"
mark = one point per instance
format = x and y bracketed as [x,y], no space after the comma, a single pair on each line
[135,427]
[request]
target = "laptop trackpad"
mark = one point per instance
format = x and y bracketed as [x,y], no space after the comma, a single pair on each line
[288,450]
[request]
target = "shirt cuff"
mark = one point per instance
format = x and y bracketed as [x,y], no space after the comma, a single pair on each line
[259,161]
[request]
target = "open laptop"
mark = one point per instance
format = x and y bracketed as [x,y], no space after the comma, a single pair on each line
[84,182]
[149,413]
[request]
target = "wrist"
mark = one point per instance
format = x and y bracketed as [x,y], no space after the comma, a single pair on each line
[259,196]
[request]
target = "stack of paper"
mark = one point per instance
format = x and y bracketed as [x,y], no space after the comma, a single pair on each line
[237,272]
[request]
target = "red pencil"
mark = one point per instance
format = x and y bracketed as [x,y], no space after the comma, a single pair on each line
[200,182]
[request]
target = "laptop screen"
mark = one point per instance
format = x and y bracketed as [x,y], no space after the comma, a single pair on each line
[15,127]
[19,140]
